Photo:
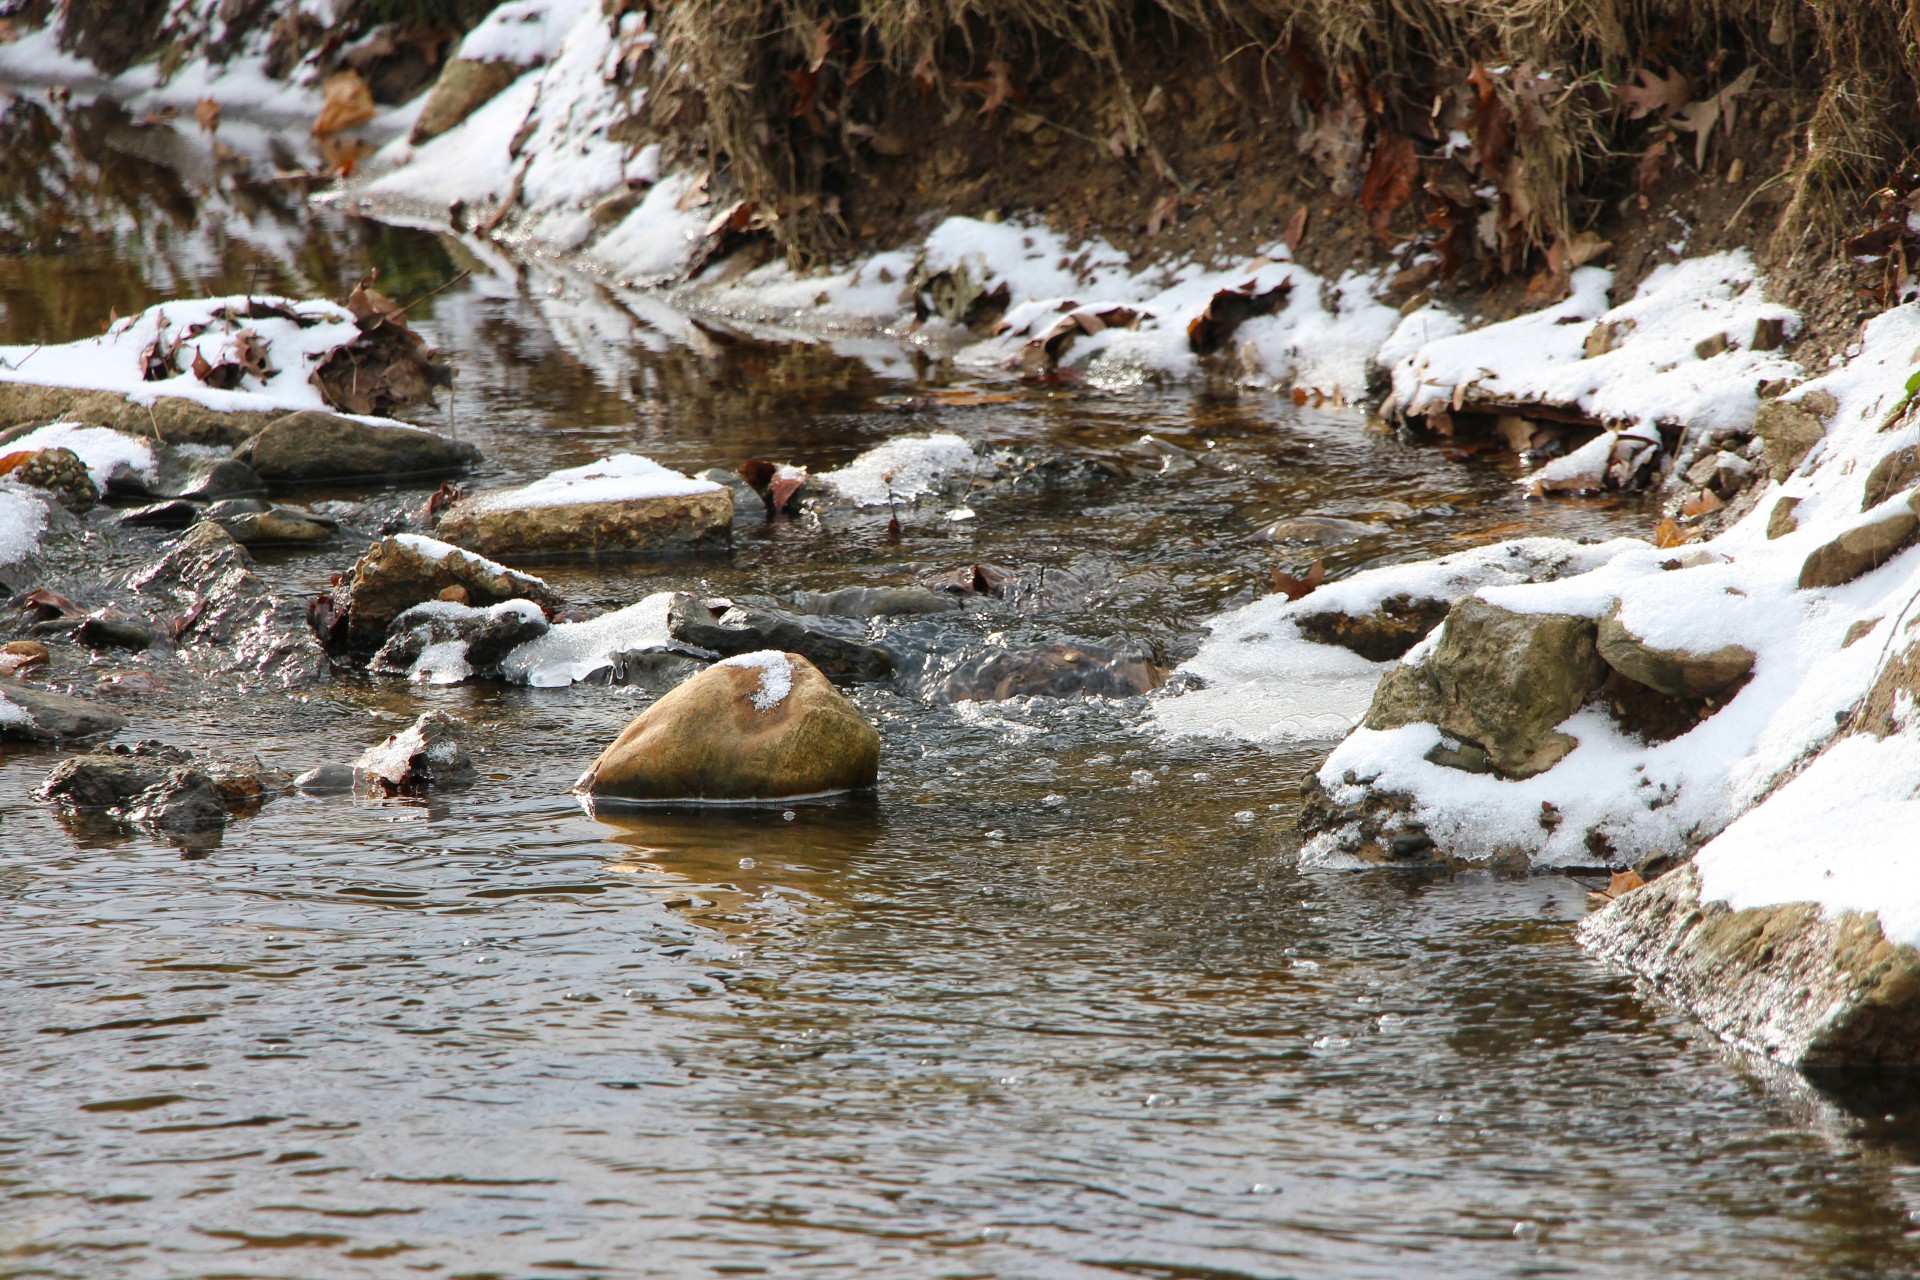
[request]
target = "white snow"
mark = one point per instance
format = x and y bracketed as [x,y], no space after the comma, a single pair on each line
[107,454]
[1655,371]
[434,549]
[624,477]
[23,519]
[901,470]
[776,676]
[113,361]
[526,32]
[573,651]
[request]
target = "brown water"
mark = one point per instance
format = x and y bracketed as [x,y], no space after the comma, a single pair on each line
[1028,1013]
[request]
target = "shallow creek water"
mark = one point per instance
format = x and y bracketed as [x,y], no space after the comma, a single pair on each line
[1055,1003]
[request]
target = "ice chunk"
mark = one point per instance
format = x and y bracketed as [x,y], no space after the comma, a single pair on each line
[443,663]
[573,651]
[23,518]
[776,676]
[901,470]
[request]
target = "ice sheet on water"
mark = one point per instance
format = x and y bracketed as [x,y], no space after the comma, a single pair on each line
[574,651]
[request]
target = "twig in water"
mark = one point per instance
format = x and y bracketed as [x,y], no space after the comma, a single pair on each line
[439,288]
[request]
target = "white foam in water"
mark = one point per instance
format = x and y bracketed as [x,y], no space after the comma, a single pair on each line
[901,470]
[624,477]
[573,651]
[105,453]
[776,676]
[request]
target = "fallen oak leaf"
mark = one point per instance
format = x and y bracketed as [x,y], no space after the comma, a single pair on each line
[1391,174]
[1294,588]
[1653,95]
[1620,882]
[346,101]
[207,112]
[998,88]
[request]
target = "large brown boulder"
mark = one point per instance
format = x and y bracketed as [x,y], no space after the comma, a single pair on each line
[762,726]
[400,572]
[624,505]
[1500,680]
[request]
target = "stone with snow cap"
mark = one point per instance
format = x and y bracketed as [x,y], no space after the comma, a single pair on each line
[620,505]
[402,571]
[759,726]
[1676,672]
[425,756]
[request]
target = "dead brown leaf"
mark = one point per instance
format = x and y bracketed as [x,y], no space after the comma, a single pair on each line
[1296,230]
[1391,175]
[998,88]
[1669,533]
[1620,882]
[1700,504]
[345,101]
[820,44]
[1294,588]
[1213,328]
[1163,213]
[1654,95]
[207,112]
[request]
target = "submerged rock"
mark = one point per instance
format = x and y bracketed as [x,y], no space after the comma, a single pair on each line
[759,726]
[874,602]
[1053,671]
[624,505]
[425,756]
[312,447]
[1500,680]
[1811,989]
[41,715]
[278,526]
[405,570]
[180,794]
[1318,531]
[740,630]
[326,780]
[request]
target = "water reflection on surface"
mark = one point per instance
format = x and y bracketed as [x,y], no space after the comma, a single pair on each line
[1056,1003]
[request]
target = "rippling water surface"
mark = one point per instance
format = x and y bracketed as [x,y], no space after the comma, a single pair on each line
[1056,1003]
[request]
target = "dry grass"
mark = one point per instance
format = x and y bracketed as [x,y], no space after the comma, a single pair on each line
[744,82]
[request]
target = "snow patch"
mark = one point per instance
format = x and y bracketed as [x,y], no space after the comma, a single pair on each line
[624,477]
[901,470]
[23,519]
[573,651]
[776,676]
[107,454]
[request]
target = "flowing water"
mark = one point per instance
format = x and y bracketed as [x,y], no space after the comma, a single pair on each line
[1055,1003]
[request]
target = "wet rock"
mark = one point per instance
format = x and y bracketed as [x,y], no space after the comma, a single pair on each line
[1864,547]
[326,780]
[741,630]
[41,715]
[112,777]
[465,85]
[1383,633]
[1031,589]
[1501,680]
[426,756]
[183,803]
[1812,990]
[1054,475]
[1377,826]
[312,447]
[173,514]
[278,526]
[107,631]
[768,728]
[206,588]
[1678,673]
[1892,474]
[655,670]
[1053,671]
[405,570]
[474,640]
[747,503]
[59,472]
[1318,531]
[199,478]
[1788,430]
[874,602]
[595,510]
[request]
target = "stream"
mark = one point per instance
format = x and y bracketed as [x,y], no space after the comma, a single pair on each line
[1056,1002]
